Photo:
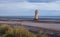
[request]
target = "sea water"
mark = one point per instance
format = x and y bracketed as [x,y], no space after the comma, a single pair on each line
[55,17]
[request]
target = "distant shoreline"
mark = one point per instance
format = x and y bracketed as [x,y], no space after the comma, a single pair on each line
[32,17]
[41,20]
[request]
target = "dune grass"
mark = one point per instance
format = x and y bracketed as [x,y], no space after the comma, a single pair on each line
[7,31]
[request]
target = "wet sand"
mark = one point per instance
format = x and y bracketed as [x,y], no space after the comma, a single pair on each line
[50,26]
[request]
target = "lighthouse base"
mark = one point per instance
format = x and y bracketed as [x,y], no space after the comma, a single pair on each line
[36,19]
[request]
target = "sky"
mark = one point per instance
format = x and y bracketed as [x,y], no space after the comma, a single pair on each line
[28,7]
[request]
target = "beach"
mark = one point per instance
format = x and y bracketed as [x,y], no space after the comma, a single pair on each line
[46,24]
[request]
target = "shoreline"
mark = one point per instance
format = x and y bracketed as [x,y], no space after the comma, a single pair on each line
[41,20]
[45,24]
[48,26]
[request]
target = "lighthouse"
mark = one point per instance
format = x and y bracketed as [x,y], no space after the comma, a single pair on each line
[36,14]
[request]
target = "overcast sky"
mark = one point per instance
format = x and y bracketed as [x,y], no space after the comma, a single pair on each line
[27,7]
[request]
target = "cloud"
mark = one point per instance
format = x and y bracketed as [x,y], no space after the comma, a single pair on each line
[28,5]
[42,1]
[14,8]
[36,1]
[9,1]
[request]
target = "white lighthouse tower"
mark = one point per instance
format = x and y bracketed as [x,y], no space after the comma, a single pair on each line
[36,14]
